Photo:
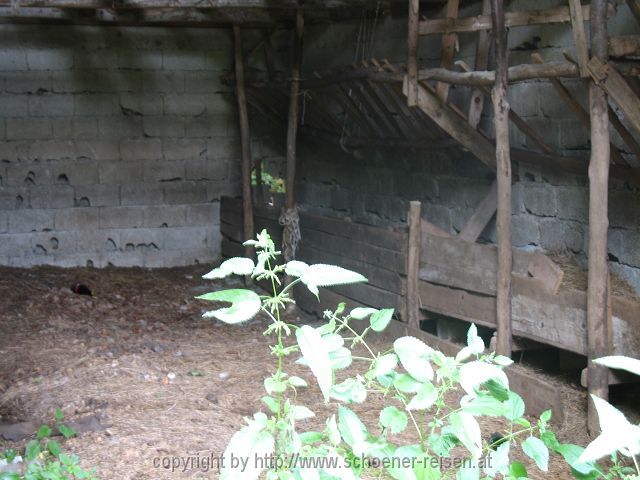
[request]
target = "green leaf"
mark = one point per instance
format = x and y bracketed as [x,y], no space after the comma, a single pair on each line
[620,362]
[502,360]
[381,319]
[517,470]
[571,453]
[245,305]
[314,352]
[497,390]
[66,431]
[467,429]
[9,476]
[443,443]
[332,431]
[385,364]
[550,440]
[498,460]
[360,313]
[43,432]
[425,398]
[32,450]
[413,354]
[310,437]
[485,405]
[300,412]
[295,268]
[514,407]
[273,386]
[54,448]
[59,415]
[352,430]
[341,358]
[474,342]
[333,341]
[406,383]
[271,403]
[534,448]
[545,416]
[469,470]
[236,265]
[297,382]
[474,374]
[250,442]
[10,454]
[394,419]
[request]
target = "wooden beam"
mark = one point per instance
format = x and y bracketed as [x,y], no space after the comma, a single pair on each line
[628,45]
[579,36]
[292,127]
[511,19]
[412,52]
[634,6]
[476,103]
[503,175]
[606,76]
[598,273]
[626,136]
[454,125]
[413,264]
[518,73]
[481,216]
[449,45]
[245,138]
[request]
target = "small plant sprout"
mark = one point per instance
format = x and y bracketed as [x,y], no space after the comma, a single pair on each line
[414,381]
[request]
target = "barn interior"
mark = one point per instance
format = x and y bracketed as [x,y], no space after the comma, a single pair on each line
[477,165]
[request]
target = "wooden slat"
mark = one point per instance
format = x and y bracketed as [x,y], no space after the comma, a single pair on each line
[517,73]
[476,104]
[481,216]
[579,36]
[512,19]
[414,240]
[634,6]
[606,76]
[628,45]
[449,44]
[375,110]
[455,126]
[412,52]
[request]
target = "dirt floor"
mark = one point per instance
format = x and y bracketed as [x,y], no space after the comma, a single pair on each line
[154,378]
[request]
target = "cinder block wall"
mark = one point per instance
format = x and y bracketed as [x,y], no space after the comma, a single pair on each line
[550,208]
[115,145]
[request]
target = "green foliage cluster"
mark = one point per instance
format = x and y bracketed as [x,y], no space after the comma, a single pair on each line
[44,459]
[275,184]
[413,378]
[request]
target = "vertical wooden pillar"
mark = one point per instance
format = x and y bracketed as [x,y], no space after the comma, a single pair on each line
[245,139]
[503,174]
[412,49]
[482,61]
[413,264]
[449,44]
[598,276]
[294,93]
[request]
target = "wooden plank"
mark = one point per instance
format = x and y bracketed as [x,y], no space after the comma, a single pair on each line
[481,216]
[539,395]
[579,36]
[232,232]
[245,139]
[412,52]
[375,109]
[627,138]
[544,269]
[511,19]
[628,45]
[371,296]
[598,268]
[449,45]
[292,122]
[428,228]
[634,6]
[517,73]
[231,249]
[476,104]
[455,126]
[413,263]
[606,76]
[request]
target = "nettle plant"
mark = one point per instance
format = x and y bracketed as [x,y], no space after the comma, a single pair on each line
[415,381]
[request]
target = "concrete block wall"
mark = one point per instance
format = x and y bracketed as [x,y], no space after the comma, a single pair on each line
[115,145]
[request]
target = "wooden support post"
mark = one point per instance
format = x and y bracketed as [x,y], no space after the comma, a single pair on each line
[292,128]
[449,45]
[503,174]
[412,49]
[481,217]
[482,62]
[597,292]
[579,36]
[245,138]
[413,264]
[634,6]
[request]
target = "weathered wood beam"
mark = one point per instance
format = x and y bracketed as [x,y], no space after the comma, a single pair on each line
[634,6]
[455,125]
[625,46]
[210,4]
[413,264]
[516,73]
[292,126]
[412,52]
[503,175]
[606,77]
[598,273]
[476,103]
[245,139]
[511,19]
[579,36]
[481,216]
[449,45]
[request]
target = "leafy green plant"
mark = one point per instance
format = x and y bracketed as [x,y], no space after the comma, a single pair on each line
[275,184]
[43,457]
[416,382]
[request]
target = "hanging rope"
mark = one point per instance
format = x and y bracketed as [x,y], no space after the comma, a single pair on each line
[290,220]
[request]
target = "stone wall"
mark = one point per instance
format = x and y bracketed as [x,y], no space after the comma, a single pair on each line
[115,145]
[550,208]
